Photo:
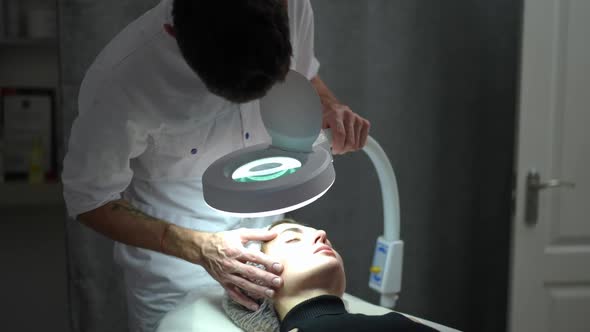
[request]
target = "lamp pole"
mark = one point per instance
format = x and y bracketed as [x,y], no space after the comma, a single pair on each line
[386,270]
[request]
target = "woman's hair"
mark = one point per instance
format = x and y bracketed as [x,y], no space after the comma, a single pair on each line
[239,48]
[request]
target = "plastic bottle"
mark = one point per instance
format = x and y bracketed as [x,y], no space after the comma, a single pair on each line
[36,174]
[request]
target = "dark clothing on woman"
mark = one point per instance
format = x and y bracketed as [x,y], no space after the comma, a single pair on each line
[327,313]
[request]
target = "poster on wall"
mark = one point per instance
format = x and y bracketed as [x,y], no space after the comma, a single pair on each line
[28,133]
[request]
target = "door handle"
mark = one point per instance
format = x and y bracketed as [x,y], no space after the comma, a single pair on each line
[533,186]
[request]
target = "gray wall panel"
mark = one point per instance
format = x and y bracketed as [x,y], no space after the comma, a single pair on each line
[439,87]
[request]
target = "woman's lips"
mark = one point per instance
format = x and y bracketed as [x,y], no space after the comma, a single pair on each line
[327,252]
[323,248]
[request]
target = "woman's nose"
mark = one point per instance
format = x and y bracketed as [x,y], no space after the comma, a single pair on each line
[320,236]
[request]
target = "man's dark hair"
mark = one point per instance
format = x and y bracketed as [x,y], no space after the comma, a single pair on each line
[239,48]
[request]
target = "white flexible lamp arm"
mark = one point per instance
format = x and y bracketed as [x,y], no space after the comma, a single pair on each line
[386,268]
[389,191]
[387,181]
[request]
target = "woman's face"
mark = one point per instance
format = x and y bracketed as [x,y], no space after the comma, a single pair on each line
[308,258]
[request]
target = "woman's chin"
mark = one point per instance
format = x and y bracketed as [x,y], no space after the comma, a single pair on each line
[328,276]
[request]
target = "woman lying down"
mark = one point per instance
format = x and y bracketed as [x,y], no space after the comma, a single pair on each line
[311,298]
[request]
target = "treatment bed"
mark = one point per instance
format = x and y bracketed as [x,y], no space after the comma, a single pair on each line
[205,314]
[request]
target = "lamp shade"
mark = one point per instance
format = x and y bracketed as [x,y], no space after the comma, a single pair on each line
[289,173]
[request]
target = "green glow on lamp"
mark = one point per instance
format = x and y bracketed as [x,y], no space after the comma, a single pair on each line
[269,177]
[266,169]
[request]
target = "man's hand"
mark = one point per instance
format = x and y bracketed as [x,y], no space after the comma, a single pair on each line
[349,130]
[224,257]
[222,254]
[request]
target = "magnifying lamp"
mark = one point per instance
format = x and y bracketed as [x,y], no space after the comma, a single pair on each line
[270,179]
[292,172]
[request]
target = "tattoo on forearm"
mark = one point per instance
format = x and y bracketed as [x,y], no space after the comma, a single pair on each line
[132,211]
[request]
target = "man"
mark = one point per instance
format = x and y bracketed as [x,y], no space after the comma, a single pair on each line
[173,92]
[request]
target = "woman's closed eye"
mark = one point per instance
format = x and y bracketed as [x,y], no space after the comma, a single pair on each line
[295,239]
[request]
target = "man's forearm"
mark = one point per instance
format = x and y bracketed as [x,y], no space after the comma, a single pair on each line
[349,130]
[326,96]
[120,221]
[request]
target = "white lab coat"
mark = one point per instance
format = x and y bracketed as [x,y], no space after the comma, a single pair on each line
[146,131]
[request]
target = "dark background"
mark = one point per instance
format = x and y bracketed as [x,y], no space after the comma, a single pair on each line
[438,81]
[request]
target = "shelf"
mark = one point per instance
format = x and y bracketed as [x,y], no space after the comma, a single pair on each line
[28,42]
[24,194]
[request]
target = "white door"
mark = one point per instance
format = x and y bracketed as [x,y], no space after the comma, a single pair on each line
[550,277]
